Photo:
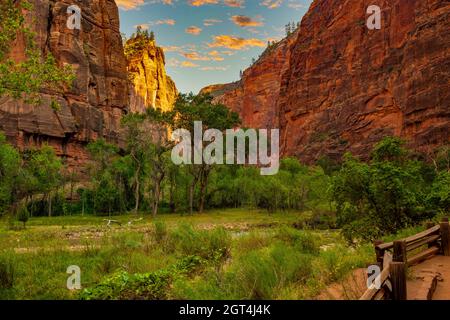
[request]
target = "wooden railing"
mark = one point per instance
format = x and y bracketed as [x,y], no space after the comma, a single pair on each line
[394,258]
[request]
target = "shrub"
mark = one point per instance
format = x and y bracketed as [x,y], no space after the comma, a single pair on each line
[389,192]
[149,286]
[160,231]
[261,275]
[208,244]
[7,272]
[23,215]
[303,241]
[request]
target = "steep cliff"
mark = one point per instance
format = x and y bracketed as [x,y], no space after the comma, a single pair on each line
[101,92]
[150,86]
[99,96]
[337,86]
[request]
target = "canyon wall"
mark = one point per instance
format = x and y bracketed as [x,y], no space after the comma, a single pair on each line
[336,86]
[150,86]
[101,93]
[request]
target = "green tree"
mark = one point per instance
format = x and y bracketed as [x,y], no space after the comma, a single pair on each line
[189,109]
[382,196]
[10,165]
[44,166]
[25,79]
[103,176]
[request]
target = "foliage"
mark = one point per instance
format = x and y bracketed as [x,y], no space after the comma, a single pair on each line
[382,196]
[7,273]
[25,79]
[23,215]
[149,286]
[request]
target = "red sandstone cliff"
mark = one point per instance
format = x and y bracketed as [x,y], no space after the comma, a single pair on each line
[100,95]
[98,99]
[336,86]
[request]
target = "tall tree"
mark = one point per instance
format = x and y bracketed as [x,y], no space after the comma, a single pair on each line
[189,109]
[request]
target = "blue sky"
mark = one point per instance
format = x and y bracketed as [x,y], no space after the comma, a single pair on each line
[210,41]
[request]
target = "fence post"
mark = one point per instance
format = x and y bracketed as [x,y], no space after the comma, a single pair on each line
[398,280]
[445,236]
[430,225]
[399,251]
[379,253]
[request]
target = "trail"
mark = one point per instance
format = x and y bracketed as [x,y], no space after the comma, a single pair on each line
[430,280]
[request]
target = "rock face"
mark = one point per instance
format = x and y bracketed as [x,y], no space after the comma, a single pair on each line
[101,92]
[255,96]
[150,85]
[94,105]
[336,86]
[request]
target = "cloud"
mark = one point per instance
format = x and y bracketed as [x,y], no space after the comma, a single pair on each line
[129,4]
[294,4]
[195,56]
[228,3]
[235,3]
[271,4]
[198,3]
[235,43]
[214,68]
[188,64]
[170,22]
[134,4]
[211,22]
[215,55]
[171,48]
[245,21]
[193,30]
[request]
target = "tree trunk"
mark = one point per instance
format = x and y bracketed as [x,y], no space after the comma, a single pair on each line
[171,197]
[137,192]
[49,205]
[203,185]
[156,195]
[191,197]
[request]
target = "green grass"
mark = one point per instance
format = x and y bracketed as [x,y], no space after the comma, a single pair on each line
[239,254]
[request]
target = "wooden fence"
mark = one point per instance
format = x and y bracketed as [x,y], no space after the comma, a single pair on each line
[393,260]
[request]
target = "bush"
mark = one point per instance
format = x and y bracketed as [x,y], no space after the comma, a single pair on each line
[7,273]
[337,262]
[304,242]
[261,274]
[161,232]
[388,194]
[208,244]
[148,286]
[23,215]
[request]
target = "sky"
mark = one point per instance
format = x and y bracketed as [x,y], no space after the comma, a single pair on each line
[209,41]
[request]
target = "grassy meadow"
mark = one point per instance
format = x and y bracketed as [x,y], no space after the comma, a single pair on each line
[228,254]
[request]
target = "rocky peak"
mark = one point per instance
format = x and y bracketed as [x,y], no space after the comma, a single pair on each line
[150,86]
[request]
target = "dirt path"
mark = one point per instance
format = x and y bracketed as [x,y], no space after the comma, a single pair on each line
[434,272]
[351,288]
[427,280]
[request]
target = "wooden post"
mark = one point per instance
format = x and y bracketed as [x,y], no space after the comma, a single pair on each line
[399,252]
[430,225]
[445,237]
[379,253]
[398,280]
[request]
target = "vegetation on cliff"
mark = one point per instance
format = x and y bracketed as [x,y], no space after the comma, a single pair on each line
[150,85]
[26,78]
